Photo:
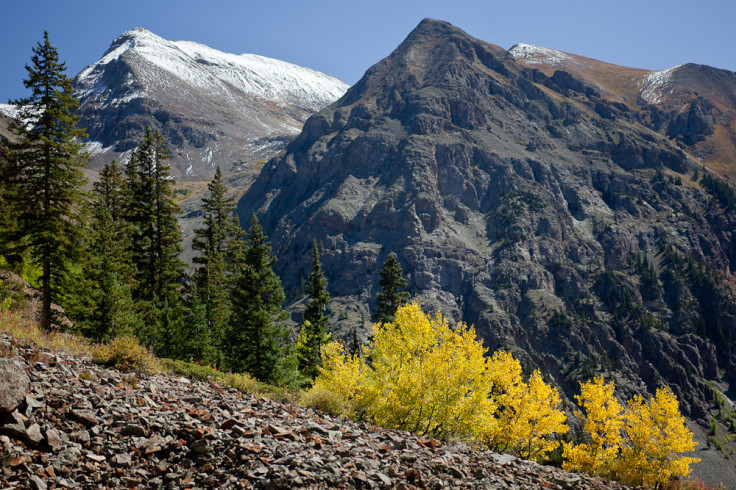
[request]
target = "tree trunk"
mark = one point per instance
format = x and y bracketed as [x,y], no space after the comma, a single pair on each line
[46,297]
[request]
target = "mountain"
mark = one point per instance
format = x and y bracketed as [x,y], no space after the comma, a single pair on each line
[213,108]
[559,221]
[694,105]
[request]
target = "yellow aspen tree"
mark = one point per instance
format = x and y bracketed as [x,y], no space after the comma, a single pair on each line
[340,388]
[528,415]
[426,377]
[656,438]
[603,424]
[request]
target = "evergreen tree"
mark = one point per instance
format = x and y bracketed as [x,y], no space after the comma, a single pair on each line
[219,240]
[103,301]
[156,236]
[391,296]
[254,337]
[46,178]
[315,331]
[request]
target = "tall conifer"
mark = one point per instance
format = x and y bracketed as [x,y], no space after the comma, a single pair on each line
[46,179]
[219,242]
[315,331]
[255,334]
[156,236]
[104,303]
[391,296]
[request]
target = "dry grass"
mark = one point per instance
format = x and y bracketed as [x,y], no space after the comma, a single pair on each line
[27,332]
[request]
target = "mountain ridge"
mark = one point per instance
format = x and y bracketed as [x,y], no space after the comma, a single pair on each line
[519,202]
[213,108]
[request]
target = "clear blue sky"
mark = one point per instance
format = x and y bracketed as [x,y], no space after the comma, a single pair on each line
[343,38]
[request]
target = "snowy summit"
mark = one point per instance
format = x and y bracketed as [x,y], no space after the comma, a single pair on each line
[204,68]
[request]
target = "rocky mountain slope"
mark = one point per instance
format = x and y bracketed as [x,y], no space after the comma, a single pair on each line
[67,423]
[560,222]
[694,105]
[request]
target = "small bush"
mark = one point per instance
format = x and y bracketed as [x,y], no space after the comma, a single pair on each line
[326,400]
[125,353]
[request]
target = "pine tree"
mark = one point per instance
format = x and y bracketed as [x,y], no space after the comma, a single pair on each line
[391,296]
[46,178]
[219,240]
[254,337]
[315,331]
[103,300]
[156,236]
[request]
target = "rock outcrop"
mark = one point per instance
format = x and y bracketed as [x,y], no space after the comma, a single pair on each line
[538,208]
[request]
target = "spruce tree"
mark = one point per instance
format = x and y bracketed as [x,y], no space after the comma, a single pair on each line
[46,178]
[219,242]
[315,331]
[391,296]
[255,334]
[104,303]
[156,236]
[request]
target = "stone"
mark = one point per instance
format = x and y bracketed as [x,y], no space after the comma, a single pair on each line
[53,439]
[33,434]
[14,384]
[37,483]
[134,430]
[86,417]
[122,459]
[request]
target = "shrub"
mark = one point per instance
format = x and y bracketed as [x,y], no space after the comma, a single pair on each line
[125,353]
[429,378]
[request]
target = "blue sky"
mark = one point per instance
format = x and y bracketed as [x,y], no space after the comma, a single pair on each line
[344,38]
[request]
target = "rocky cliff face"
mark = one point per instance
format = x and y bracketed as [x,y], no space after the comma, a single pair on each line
[562,223]
[693,105]
[213,108]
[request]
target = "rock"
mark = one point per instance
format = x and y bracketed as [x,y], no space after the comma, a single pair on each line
[134,430]
[37,483]
[86,417]
[13,425]
[53,439]
[122,459]
[14,384]
[33,434]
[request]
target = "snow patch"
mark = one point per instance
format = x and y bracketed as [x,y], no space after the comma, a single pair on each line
[537,55]
[9,110]
[95,148]
[653,87]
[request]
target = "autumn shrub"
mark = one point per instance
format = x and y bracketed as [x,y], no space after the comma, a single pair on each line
[528,416]
[639,444]
[125,353]
[427,377]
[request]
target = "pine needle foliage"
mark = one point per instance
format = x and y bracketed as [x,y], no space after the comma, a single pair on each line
[255,333]
[315,331]
[45,179]
[391,296]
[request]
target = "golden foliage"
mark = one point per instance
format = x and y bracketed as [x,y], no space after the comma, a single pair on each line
[431,379]
[657,435]
[602,424]
[638,445]
[529,414]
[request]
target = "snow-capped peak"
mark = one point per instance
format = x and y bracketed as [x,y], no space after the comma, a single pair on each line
[158,60]
[652,87]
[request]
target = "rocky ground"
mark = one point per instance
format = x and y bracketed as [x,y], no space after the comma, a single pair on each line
[72,424]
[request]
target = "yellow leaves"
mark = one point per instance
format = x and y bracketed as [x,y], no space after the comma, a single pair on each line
[528,414]
[602,424]
[427,377]
[639,445]
[657,435]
